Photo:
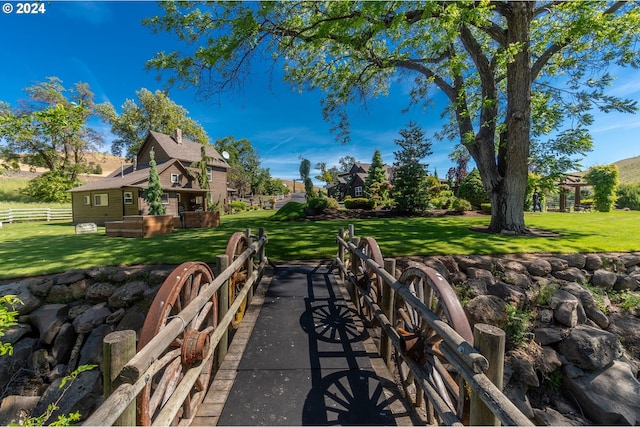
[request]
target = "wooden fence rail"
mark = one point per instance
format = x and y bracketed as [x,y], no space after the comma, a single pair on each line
[149,360]
[466,359]
[36,214]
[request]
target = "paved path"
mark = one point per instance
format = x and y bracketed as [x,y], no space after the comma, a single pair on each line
[302,357]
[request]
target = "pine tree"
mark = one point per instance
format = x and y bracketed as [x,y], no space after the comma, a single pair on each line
[410,191]
[153,194]
[376,177]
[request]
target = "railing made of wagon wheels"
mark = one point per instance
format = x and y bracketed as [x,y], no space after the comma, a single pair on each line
[421,319]
[170,372]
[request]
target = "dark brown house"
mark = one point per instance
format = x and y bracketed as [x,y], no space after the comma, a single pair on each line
[352,183]
[122,192]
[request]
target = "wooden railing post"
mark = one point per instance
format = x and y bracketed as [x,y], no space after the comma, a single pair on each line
[249,266]
[222,262]
[490,342]
[263,249]
[341,255]
[387,308]
[118,348]
[353,289]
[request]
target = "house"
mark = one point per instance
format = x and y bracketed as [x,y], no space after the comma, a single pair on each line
[352,183]
[122,192]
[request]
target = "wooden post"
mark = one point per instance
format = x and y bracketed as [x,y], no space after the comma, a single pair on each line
[117,349]
[490,341]
[341,255]
[249,266]
[351,230]
[263,249]
[353,289]
[387,308]
[222,262]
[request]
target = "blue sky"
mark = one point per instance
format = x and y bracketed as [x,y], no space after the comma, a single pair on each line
[105,45]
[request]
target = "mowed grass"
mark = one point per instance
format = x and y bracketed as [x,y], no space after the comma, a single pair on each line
[29,249]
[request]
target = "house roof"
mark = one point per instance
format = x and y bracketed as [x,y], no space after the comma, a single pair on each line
[187,151]
[130,178]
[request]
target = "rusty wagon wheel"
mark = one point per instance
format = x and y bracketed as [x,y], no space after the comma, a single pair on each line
[182,285]
[368,279]
[421,343]
[238,243]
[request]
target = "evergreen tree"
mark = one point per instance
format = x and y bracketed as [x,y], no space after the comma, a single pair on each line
[153,195]
[410,191]
[376,177]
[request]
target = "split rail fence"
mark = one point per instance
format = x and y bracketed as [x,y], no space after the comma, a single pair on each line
[35,214]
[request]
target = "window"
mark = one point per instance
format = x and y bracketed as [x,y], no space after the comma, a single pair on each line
[127,198]
[209,174]
[165,198]
[175,178]
[358,191]
[87,200]
[101,199]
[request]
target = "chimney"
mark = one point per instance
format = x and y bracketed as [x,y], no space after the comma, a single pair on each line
[179,136]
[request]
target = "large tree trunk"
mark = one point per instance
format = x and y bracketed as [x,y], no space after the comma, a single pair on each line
[508,193]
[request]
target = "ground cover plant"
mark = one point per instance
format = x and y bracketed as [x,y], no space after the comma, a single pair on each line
[28,249]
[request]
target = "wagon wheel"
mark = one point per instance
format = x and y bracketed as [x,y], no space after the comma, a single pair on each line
[421,343]
[238,243]
[368,279]
[183,285]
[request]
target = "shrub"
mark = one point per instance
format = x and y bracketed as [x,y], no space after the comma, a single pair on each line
[461,205]
[359,203]
[628,196]
[605,181]
[318,204]
[238,206]
[486,208]
[471,189]
[332,203]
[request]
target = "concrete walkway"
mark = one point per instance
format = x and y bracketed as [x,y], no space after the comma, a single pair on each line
[302,357]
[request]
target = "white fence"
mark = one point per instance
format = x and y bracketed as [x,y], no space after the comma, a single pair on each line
[36,214]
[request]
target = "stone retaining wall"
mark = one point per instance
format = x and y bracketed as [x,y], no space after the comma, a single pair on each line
[574,344]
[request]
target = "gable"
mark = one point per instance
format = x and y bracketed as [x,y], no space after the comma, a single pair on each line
[171,147]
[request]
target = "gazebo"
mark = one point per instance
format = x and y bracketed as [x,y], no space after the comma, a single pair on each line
[571,181]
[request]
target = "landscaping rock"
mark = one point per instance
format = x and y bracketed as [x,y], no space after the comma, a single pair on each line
[48,320]
[70,277]
[487,309]
[593,262]
[571,274]
[590,348]
[100,292]
[29,301]
[91,318]
[81,395]
[624,283]
[608,396]
[128,294]
[604,279]
[539,267]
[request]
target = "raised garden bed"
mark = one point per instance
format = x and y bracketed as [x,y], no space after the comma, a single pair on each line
[140,226]
[201,219]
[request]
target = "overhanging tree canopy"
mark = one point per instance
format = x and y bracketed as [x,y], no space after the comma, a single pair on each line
[514,72]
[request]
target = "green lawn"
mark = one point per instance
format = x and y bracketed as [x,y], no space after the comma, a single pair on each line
[28,249]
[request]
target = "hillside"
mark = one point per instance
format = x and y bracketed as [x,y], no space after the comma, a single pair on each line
[629,170]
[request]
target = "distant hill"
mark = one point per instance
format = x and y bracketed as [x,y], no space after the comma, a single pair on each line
[628,169]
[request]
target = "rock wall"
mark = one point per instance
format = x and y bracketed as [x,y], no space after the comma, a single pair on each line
[573,355]
[572,359]
[62,322]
